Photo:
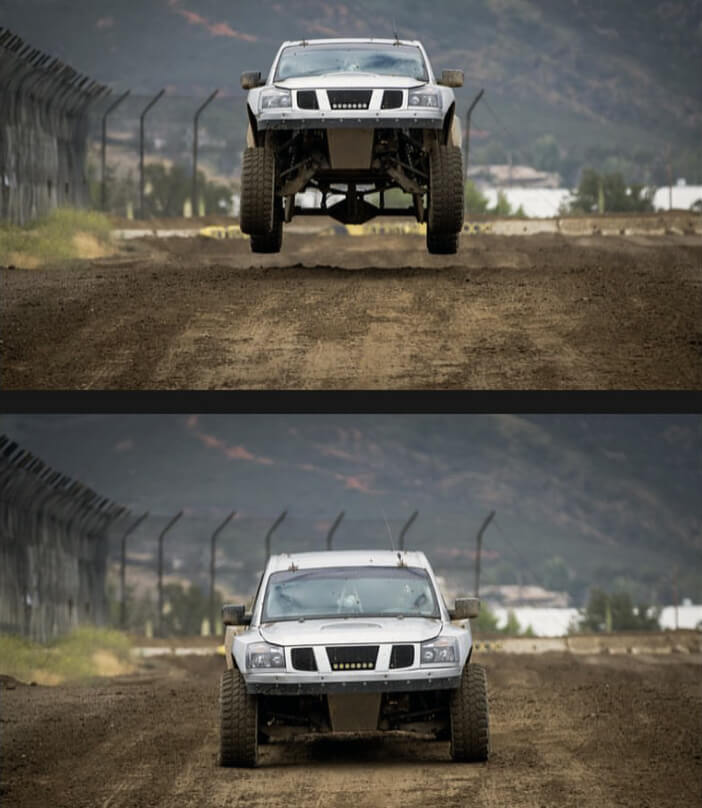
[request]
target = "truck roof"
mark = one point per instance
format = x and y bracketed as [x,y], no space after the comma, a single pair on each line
[350,41]
[347,558]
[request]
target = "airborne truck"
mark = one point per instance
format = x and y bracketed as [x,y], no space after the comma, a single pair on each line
[350,642]
[352,119]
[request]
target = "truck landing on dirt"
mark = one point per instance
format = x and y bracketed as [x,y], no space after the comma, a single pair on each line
[349,643]
[352,119]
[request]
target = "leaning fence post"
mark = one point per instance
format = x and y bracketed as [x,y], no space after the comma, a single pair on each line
[468,117]
[151,103]
[270,533]
[196,121]
[161,537]
[123,569]
[213,557]
[103,151]
[332,530]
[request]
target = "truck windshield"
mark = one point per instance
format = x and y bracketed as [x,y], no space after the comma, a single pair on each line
[299,61]
[349,591]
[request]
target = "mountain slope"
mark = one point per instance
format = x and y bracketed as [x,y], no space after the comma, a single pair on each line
[616,496]
[625,69]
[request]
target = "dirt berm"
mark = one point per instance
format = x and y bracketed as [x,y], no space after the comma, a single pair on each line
[585,731]
[520,312]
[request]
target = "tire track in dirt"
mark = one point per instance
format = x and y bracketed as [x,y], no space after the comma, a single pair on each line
[582,731]
[539,312]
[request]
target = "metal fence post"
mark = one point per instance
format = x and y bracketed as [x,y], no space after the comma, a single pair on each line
[196,121]
[270,533]
[161,537]
[151,103]
[123,569]
[213,558]
[103,150]
[468,117]
[405,528]
[332,530]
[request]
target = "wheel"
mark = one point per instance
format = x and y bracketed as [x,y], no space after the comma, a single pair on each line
[442,244]
[238,716]
[470,722]
[257,212]
[272,241]
[445,214]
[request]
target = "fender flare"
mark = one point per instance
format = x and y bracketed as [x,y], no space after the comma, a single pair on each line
[452,135]
[252,129]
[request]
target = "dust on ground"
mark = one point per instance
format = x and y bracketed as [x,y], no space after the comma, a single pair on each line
[378,312]
[566,731]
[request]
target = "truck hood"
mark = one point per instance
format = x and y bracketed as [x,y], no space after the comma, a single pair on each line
[352,631]
[342,81]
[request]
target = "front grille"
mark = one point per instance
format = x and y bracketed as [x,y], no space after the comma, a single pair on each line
[307,99]
[402,656]
[303,659]
[392,99]
[352,657]
[349,99]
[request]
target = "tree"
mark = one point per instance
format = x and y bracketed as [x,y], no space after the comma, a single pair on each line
[616,612]
[512,627]
[502,206]
[475,201]
[546,155]
[556,575]
[185,609]
[169,188]
[485,622]
[608,193]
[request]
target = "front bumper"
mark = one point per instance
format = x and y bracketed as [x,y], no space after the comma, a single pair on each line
[315,119]
[287,684]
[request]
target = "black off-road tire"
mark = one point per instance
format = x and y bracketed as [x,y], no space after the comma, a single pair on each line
[272,241]
[238,717]
[470,721]
[442,244]
[256,216]
[446,204]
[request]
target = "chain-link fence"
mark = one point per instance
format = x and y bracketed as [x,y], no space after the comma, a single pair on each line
[43,131]
[172,142]
[53,547]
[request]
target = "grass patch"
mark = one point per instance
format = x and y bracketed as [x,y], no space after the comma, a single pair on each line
[84,653]
[66,233]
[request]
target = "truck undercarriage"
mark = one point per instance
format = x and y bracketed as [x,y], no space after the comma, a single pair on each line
[285,717]
[352,170]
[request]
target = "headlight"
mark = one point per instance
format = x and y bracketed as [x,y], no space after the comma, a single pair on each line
[276,99]
[263,655]
[443,651]
[424,98]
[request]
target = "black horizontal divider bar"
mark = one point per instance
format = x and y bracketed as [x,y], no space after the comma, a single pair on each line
[356,401]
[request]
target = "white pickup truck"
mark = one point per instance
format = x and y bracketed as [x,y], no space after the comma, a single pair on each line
[352,119]
[350,642]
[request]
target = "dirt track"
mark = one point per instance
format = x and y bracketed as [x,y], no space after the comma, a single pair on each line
[580,731]
[534,312]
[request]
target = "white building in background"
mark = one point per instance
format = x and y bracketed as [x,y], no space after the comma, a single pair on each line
[537,203]
[544,622]
[689,616]
[678,197]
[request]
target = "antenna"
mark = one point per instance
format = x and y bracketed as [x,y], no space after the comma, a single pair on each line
[394,31]
[392,543]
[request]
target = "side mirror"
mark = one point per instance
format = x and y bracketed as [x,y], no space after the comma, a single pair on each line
[452,78]
[465,608]
[235,616]
[251,79]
